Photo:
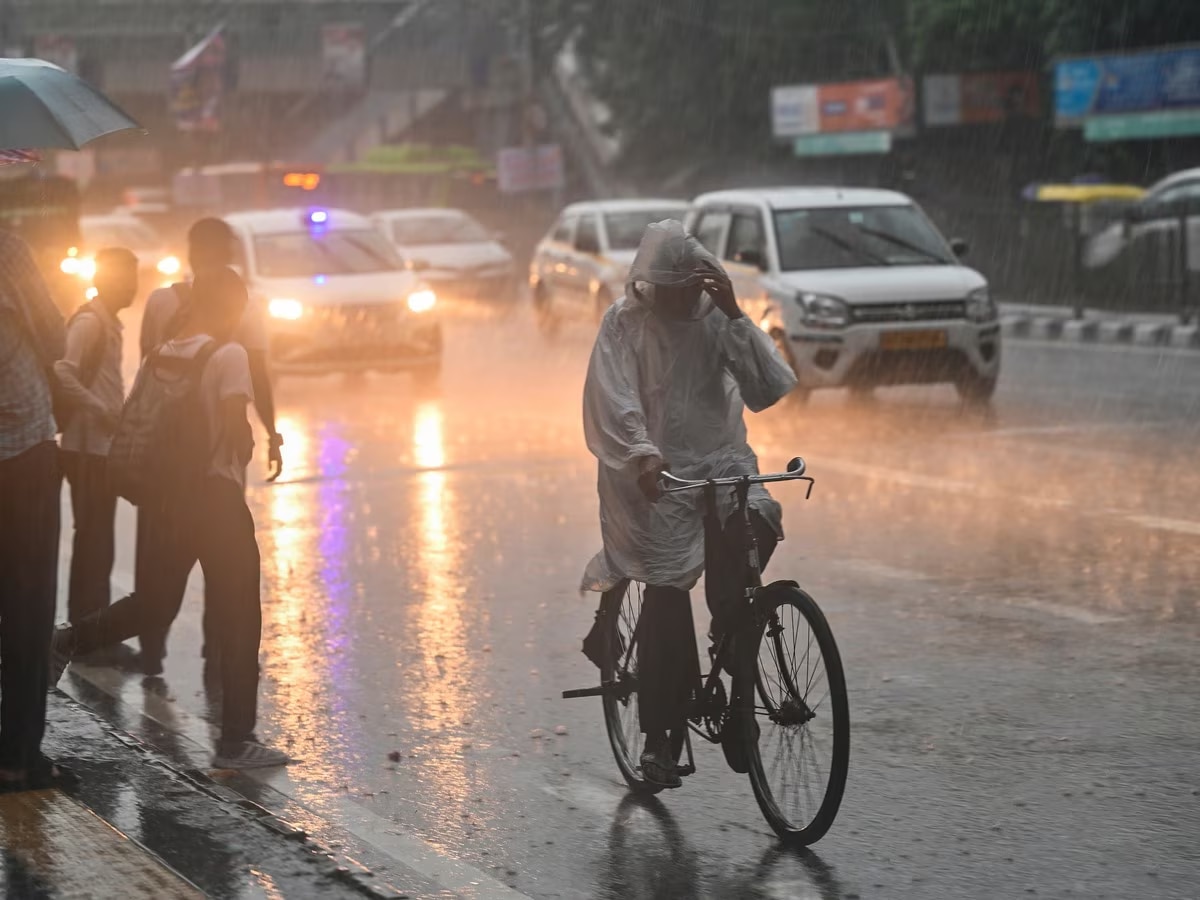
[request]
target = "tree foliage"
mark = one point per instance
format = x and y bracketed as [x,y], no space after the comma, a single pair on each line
[700,71]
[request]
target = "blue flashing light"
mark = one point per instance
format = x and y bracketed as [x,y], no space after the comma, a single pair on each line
[319,279]
[318,217]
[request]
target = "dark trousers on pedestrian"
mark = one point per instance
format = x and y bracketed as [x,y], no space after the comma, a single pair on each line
[668,664]
[30,491]
[218,532]
[94,507]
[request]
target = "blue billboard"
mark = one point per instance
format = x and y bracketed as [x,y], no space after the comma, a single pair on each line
[1134,83]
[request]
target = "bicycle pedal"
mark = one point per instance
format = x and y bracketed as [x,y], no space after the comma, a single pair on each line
[685,770]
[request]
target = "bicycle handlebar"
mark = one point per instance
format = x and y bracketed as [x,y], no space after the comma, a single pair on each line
[672,484]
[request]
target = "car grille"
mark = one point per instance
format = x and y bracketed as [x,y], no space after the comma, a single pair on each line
[916,311]
[365,316]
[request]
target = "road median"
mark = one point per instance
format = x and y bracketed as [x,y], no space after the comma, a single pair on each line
[1096,327]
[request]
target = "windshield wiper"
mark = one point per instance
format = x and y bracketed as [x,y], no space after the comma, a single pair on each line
[901,242]
[839,241]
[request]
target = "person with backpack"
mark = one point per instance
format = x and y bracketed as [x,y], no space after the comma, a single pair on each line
[89,381]
[32,338]
[211,247]
[181,451]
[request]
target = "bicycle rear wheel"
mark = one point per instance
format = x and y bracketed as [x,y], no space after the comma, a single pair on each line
[622,608]
[798,739]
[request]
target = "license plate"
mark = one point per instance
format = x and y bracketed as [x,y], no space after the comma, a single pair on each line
[933,339]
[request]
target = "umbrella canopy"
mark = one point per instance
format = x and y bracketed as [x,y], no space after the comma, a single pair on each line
[43,106]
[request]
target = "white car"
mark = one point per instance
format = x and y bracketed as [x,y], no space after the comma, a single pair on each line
[1156,215]
[452,252]
[337,296]
[581,264]
[157,265]
[857,286]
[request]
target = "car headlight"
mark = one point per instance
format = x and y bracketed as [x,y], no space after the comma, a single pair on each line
[981,307]
[83,267]
[285,308]
[169,265]
[823,311]
[422,300]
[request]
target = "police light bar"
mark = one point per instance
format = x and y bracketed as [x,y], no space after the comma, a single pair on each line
[317,217]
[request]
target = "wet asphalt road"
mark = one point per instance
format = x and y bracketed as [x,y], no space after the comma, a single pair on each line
[1016,598]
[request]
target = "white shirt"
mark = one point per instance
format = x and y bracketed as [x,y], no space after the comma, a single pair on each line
[163,304]
[226,376]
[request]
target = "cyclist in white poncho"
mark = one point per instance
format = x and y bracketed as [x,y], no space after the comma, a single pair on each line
[673,367]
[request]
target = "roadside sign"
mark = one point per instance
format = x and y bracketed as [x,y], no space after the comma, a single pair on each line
[522,169]
[882,104]
[847,144]
[1165,123]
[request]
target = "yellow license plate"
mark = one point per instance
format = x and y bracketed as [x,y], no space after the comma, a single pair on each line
[913,340]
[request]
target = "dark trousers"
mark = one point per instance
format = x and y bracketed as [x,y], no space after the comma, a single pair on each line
[94,507]
[218,532]
[30,490]
[668,664]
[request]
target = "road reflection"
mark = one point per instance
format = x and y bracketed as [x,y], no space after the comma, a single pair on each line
[445,698]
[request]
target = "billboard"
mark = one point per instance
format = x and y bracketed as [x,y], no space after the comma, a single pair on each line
[883,104]
[344,56]
[978,98]
[521,169]
[198,85]
[1149,82]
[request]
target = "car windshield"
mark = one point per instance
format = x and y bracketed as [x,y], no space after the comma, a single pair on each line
[847,237]
[625,229]
[303,254]
[416,231]
[131,235]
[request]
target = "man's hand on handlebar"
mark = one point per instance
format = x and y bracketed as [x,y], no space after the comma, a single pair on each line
[650,469]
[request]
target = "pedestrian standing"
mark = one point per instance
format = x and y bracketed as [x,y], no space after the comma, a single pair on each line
[211,248]
[31,340]
[201,509]
[89,380]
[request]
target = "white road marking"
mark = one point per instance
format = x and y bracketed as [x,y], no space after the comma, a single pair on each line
[1159,523]
[1062,611]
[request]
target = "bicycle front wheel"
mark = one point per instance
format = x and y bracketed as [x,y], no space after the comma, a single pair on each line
[622,608]
[798,739]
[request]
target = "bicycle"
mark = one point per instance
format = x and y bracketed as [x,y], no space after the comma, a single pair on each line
[779,705]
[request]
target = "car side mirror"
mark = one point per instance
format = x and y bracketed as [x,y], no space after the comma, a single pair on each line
[960,247]
[751,258]
[587,244]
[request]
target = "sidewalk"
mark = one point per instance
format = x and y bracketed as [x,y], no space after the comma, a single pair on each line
[140,827]
[1058,323]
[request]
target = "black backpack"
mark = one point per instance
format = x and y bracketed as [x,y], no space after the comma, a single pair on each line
[162,448]
[65,407]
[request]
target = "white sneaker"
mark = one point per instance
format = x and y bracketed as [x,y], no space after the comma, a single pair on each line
[250,755]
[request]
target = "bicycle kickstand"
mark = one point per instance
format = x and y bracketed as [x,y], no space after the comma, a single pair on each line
[690,768]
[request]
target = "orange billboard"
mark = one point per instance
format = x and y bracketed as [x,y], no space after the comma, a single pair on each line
[881,105]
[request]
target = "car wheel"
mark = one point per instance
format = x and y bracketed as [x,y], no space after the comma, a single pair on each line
[976,389]
[543,310]
[602,302]
[798,395]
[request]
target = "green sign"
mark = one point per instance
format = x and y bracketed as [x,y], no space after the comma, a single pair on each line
[843,144]
[1169,123]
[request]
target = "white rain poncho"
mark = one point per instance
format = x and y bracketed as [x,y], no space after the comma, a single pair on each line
[672,388]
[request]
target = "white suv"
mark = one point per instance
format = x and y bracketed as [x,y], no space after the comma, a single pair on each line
[857,287]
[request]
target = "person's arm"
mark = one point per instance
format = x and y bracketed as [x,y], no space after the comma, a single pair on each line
[82,336]
[264,405]
[237,426]
[614,422]
[763,377]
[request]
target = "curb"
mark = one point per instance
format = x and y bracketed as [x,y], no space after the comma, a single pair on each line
[1100,332]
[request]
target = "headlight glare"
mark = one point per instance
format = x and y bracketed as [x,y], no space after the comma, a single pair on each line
[823,311]
[285,308]
[169,265]
[422,300]
[980,307]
